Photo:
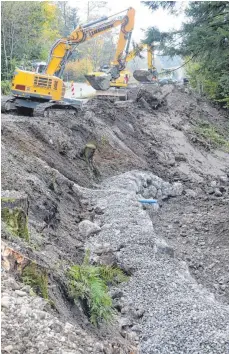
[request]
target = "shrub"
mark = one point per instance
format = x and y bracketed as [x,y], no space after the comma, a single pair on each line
[89,284]
[5,87]
[37,278]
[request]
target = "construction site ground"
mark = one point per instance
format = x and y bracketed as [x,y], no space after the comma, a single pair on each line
[177,254]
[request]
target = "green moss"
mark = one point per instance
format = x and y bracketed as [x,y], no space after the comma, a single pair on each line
[16,221]
[37,278]
[4,199]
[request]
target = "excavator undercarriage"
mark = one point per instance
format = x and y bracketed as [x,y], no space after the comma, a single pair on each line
[38,109]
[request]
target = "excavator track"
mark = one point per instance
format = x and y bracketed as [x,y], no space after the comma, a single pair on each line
[6,103]
[143,76]
[43,109]
[99,83]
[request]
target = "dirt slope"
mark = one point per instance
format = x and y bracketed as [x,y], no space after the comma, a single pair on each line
[185,140]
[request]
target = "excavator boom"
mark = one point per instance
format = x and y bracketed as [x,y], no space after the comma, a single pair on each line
[63,48]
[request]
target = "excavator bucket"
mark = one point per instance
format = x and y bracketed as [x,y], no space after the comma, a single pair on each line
[99,83]
[144,76]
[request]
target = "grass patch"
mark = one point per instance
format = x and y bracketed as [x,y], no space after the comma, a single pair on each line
[16,222]
[89,285]
[212,135]
[37,279]
[5,87]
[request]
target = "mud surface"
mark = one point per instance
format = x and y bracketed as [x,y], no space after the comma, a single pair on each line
[41,157]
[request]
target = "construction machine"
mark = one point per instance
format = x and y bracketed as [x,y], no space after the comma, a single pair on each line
[143,76]
[150,75]
[39,91]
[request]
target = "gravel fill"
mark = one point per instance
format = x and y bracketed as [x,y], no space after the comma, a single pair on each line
[180,316]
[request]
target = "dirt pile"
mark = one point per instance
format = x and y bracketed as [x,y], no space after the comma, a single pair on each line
[184,140]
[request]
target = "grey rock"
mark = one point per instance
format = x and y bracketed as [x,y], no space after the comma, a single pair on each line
[210,190]
[5,302]
[125,322]
[20,293]
[8,348]
[218,193]
[99,210]
[116,294]
[224,180]
[213,184]
[163,248]
[88,228]
[13,284]
[138,313]
[133,336]
[176,189]
[124,310]
[26,289]
[136,328]
[68,327]
[190,193]
[99,346]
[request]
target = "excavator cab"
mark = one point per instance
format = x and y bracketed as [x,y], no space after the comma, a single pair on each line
[39,67]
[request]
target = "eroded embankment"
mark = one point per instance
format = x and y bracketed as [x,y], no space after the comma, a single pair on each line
[184,140]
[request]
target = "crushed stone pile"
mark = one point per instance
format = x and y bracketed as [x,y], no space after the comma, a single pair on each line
[177,314]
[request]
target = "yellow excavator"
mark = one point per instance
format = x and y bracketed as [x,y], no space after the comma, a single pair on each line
[150,75]
[37,92]
[142,75]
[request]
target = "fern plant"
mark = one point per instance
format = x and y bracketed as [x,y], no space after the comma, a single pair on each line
[89,284]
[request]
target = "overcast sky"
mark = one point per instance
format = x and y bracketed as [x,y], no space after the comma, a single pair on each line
[143,18]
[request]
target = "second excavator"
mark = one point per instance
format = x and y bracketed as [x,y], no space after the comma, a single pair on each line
[150,75]
[103,79]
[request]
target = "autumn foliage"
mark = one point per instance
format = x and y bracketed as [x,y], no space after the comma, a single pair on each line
[75,70]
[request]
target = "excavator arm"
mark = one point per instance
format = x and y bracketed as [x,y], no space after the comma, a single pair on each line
[150,75]
[63,48]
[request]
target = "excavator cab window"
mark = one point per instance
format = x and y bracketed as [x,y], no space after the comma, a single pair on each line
[39,67]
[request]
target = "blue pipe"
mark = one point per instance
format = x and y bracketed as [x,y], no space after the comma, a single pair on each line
[148,201]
